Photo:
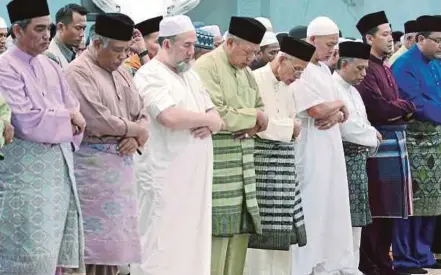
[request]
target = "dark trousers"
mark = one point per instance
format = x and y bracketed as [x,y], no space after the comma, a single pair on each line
[436,245]
[412,241]
[376,239]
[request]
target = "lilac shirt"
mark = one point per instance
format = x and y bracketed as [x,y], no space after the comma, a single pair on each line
[38,96]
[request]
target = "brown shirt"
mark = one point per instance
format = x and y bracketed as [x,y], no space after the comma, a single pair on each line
[109,101]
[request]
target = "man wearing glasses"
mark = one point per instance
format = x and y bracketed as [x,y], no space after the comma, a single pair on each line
[278,189]
[418,75]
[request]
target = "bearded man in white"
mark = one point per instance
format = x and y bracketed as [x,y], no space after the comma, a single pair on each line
[174,174]
[321,167]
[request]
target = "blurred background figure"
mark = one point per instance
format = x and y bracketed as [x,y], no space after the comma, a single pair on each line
[397,40]
[204,43]
[269,48]
[3,35]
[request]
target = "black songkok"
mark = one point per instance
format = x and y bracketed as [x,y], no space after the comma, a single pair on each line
[247,28]
[25,9]
[354,49]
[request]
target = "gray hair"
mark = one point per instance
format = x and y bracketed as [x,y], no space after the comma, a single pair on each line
[342,60]
[94,36]
[287,56]
[163,38]
[235,38]
[23,23]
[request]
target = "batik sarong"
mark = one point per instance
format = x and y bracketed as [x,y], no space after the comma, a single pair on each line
[40,217]
[235,208]
[278,197]
[356,156]
[424,145]
[107,191]
[390,186]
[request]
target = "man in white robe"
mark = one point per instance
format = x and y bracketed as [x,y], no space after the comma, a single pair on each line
[174,174]
[278,197]
[360,137]
[321,166]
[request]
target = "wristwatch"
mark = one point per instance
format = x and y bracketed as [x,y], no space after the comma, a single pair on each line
[143,53]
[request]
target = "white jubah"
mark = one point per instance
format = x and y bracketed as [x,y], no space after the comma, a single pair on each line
[323,181]
[174,177]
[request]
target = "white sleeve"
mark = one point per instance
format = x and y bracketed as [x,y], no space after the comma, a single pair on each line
[154,90]
[305,97]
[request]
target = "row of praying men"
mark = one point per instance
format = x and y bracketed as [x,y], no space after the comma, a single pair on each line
[176,166]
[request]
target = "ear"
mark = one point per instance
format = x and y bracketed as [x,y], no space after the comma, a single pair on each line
[60,26]
[17,30]
[166,44]
[369,38]
[229,42]
[97,44]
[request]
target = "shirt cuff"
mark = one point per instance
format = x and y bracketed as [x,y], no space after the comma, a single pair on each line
[132,128]
[155,109]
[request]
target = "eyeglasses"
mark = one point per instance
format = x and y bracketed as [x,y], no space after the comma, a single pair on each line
[437,41]
[297,71]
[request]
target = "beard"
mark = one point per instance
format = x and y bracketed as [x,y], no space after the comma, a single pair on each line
[182,66]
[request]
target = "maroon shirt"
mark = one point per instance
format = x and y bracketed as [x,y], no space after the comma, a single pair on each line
[380,95]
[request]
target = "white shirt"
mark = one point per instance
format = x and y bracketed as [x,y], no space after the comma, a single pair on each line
[357,129]
[174,177]
[279,105]
[323,180]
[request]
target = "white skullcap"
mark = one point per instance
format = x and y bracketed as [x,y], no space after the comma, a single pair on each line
[269,38]
[213,29]
[322,26]
[175,25]
[358,40]
[3,24]
[266,22]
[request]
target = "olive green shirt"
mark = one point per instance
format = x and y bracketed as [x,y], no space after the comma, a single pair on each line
[5,115]
[234,92]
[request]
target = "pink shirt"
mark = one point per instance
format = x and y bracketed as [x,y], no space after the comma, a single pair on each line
[39,97]
[109,101]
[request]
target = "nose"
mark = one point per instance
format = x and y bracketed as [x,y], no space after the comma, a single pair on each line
[191,51]
[46,34]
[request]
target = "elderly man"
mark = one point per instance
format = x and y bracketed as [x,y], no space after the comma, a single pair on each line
[3,35]
[215,32]
[204,43]
[148,44]
[40,220]
[396,36]
[410,30]
[278,194]
[269,47]
[388,170]
[235,93]
[329,246]
[418,75]
[178,159]
[71,26]
[359,137]
[116,129]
